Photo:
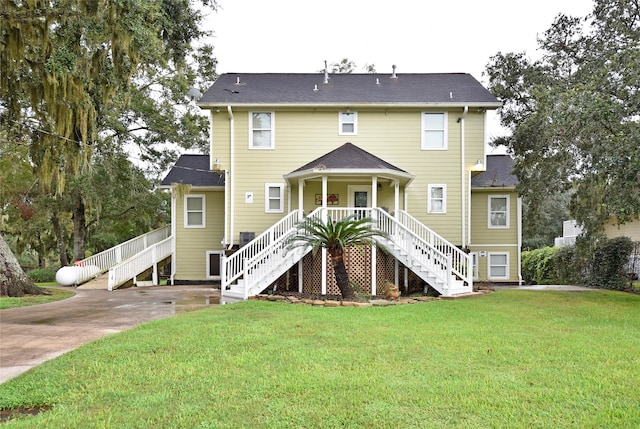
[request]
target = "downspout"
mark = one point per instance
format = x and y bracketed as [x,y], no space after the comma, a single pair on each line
[519,214]
[231,177]
[173,234]
[463,177]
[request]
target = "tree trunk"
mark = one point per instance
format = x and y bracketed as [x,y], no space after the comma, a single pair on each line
[340,272]
[79,229]
[13,280]
[62,249]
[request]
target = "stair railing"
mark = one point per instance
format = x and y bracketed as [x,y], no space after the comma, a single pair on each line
[237,264]
[140,262]
[101,262]
[461,264]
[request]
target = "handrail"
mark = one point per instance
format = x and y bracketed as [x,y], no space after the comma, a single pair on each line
[233,265]
[460,261]
[139,262]
[256,260]
[101,262]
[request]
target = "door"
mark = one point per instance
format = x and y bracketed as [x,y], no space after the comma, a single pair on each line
[359,196]
[213,264]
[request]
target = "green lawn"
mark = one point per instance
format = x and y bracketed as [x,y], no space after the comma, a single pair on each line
[56,295]
[510,359]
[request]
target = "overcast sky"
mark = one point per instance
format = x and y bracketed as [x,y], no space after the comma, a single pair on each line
[418,36]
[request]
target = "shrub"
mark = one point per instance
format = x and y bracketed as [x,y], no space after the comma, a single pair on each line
[537,264]
[568,266]
[40,275]
[609,261]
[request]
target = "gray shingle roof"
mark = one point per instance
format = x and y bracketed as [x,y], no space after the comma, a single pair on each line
[193,170]
[499,173]
[456,89]
[348,156]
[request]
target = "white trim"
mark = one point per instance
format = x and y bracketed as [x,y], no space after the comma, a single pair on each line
[341,132]
[492,245]
[430,187]
[186,211]
[423,128]
[267,197]
[475,264]
[208,265]
[272,144]
[489,255]
[508,212]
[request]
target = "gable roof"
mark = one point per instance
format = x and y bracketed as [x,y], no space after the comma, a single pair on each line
[349,159]
[192,170]
[414,89]
[348,156]
[499,173]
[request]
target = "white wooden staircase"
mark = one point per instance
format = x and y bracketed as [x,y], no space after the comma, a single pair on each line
[255,266]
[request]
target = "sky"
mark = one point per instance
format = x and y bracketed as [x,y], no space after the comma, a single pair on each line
[418,36]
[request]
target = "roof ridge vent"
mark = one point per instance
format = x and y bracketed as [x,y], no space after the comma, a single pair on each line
[393,74]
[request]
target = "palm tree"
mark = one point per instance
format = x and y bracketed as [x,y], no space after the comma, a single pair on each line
[336,237]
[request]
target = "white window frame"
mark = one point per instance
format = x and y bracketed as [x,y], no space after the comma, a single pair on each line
[424,129]
[267,197]
[506,266]
[342,122]
[202,197]
[272,144]
[430,208]
[490,225]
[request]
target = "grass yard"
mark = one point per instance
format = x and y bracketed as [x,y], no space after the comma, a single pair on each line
[511,359]
[56,295]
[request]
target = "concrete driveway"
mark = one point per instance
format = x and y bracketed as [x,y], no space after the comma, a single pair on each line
[32,335]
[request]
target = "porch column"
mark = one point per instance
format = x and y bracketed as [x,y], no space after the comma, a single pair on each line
[374,191]
[396,196]
[301,184]
[324,250]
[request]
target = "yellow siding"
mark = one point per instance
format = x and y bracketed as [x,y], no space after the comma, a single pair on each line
[193,243]
[631,230]
[483,262]
[494,240]
[302,135]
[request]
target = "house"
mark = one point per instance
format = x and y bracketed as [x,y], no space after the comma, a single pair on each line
[407,150]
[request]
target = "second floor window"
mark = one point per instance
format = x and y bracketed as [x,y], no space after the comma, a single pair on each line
[261,130]
[499,211]
[348,123]
[434,131]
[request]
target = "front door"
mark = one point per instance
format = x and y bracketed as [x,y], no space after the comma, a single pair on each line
[360,196]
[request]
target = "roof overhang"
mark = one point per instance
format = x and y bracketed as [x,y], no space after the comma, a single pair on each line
[317,173]
[461,105]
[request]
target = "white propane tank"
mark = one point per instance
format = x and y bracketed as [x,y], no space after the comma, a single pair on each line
[66,276]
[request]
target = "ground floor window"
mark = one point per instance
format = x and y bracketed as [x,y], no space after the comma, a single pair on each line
[498,266]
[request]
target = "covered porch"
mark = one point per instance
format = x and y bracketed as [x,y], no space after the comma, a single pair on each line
[348,177]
